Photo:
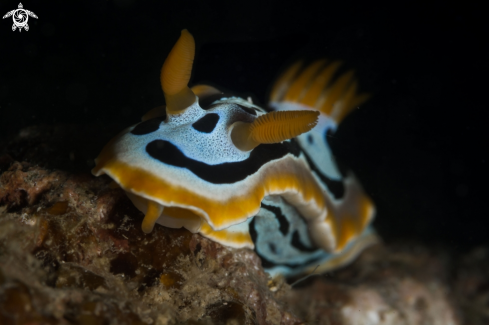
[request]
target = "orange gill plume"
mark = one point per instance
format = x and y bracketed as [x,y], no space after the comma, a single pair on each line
[315,86]
[303,81]
[175,75]
[284,81]
[273,127]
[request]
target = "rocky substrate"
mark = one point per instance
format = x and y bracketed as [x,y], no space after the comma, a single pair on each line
[72,252]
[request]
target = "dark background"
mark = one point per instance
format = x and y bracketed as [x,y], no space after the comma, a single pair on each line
[419,146]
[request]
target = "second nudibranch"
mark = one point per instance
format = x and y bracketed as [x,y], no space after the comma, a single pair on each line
[244,177]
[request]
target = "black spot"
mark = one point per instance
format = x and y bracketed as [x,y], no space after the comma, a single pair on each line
[148,126]
[225,173]
[248,110]
[273,248]
[284,223]
[207,123]
[296,242]
[310,139]
[329,135]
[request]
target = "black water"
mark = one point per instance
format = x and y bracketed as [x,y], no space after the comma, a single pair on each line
[420,145]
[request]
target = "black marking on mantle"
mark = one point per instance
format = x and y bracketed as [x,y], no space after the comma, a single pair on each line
[284,223]
[207,123]
[225,173]
[337,188]
[266,263]
[297,243]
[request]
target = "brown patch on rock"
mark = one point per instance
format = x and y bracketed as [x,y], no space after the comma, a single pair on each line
[58,208]
[171,280]
[22,184]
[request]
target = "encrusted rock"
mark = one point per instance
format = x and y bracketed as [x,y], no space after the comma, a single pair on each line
[88,259]
[72,252]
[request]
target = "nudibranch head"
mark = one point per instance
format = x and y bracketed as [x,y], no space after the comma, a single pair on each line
[204,162]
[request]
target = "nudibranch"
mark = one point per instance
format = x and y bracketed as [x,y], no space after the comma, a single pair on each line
[243,176]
